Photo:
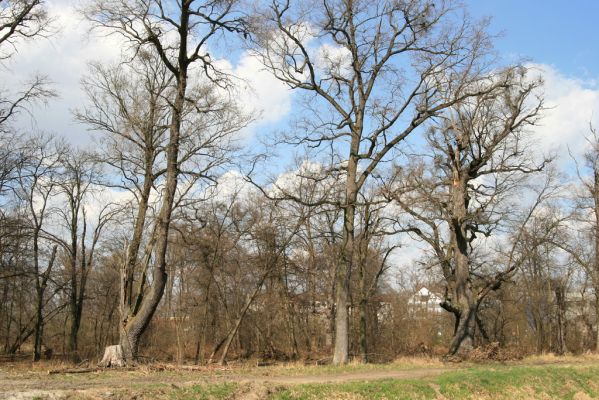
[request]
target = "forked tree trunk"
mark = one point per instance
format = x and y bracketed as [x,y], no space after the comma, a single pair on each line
[462,342]
[467,307]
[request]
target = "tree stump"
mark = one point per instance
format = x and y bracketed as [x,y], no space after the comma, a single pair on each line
[113,357]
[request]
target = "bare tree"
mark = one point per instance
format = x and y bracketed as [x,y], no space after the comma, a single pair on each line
[78,177]
[21,20]
[350,57]
[479,161]
[197,121]
[586,218]
[37,185]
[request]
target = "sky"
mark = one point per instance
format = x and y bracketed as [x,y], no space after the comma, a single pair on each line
[556,38]
[553,32]
[560,38]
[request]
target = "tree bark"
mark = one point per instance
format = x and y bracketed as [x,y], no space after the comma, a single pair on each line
[113,357]
[463,298]
[342,279]
[41,283]
[595,272]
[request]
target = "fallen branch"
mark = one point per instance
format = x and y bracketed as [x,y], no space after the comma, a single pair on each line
[72,371]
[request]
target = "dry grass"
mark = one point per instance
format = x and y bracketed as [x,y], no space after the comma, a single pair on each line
[550,358]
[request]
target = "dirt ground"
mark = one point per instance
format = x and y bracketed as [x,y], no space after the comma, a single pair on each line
[106,384]
[23,382]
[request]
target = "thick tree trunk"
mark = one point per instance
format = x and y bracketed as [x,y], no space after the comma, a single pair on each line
[462,342]
[341,350]
[342,279]
[113,357]
[463,298]
[135,320]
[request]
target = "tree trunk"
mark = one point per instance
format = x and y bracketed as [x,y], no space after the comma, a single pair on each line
[463,339]
[201,343]
[233,331]
[342,278]
[462,342]
[597,320]
[595,272]
[363,331]
[341,350]
[560,299]
[39,324]
[41,282]
[113,357]
[129,343]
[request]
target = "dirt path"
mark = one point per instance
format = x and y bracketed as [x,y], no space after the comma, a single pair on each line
[351,376]
[105,385]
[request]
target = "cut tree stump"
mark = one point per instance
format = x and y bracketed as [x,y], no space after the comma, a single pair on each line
[113,357]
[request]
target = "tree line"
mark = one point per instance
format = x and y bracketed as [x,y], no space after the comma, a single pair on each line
[173,237]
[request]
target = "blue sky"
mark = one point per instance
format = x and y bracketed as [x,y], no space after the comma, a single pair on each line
[564,34]
[559,37]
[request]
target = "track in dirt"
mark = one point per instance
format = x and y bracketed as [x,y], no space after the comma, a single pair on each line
[96,381]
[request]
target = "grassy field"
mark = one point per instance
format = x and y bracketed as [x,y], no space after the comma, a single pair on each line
[536,378]
[514,382]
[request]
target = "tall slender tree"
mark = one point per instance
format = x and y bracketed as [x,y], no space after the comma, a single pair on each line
[198,121]
[372,73]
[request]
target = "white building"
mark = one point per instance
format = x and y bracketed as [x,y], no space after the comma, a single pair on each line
[425,301]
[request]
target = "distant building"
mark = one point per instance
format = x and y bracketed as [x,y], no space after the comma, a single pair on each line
[425,301]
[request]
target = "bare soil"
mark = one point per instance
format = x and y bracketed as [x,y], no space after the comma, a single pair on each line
[27,381]
[107,384]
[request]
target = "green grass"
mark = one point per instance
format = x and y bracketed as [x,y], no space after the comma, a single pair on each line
[499,382]
[297,369]
[205,392]
[544,378]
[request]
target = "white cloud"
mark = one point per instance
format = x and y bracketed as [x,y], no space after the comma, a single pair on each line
[231,185]
[571,104]
[333,60]
[262,92]
[64,58]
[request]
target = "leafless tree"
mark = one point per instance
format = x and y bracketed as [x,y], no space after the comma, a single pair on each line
[78,174]
[21,20]
[373,73]
[478,162]
[583,245]
[37,185]
[198,122]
